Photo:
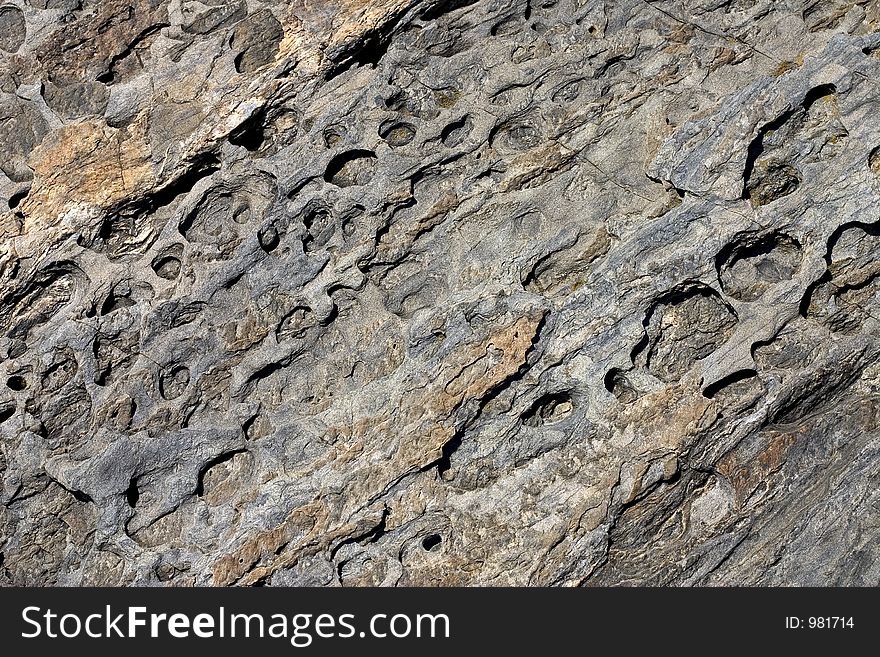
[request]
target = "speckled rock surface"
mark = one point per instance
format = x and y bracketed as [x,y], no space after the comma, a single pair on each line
[473,292]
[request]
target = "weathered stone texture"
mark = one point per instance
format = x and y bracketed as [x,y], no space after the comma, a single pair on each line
[420,292]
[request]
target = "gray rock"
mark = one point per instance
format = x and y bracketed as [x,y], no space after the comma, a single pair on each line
[496,292]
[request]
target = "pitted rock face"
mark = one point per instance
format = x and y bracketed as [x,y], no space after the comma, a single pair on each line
[12,29]
[528,292]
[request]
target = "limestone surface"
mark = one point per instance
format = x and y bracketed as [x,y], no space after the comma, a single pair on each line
[439,292]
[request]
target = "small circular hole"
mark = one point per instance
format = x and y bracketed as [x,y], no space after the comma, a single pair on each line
[431,542]
[167,267]
[16,383]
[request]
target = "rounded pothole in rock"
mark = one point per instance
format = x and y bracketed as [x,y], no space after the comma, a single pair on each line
[167,267]
[16,383]
[753,263]
[549,409]
[397,133]
[173,382]
[618,383]
[771,181]
[431,543]
[351,168]
[682,327]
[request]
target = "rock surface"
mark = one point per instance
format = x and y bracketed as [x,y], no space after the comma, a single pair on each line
[505,292]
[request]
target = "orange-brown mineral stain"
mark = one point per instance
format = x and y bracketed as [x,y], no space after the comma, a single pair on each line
[87,163]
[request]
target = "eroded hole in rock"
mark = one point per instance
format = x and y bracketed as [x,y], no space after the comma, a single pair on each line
[874,160]
[168,265]
[515,136]
[508,96]
[220,219]
[242,212]
[41,299]
[16,383]
[444,43]
[173,381]
[296,323]
[320,226]
[851,248]
[266,131]
[6,412]
[432,542]
[397,102]
[549,409]
[334,135]
[456,132]
[351,168]
[683,327]
[817,294]
[269,238]
[132,494]
[215,471]
[811,132]
[447,97]
[845,309]
[617,383]
[819,15]
[569,92]
[752,263]
[771,181]
[206,223]
[257,39]
[508,26]
[16,199]
[409,288]
[251,134]
[348,223]
[566,269]
[116,300]
[792,348]
[256,427]
[848,293]
[397,133]
[118,413]
[730,384]
[126,234]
